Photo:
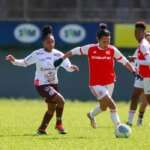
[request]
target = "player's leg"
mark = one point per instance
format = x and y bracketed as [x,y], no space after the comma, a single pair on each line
[59,109]
[138,89]
[95,111]
[105,100]
[53,99]
[51,105]
[59,113]
[113,109]
[142,109]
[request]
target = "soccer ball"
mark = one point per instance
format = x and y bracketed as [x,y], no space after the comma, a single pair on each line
[123,131]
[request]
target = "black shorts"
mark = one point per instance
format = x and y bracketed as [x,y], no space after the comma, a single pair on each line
[48,91]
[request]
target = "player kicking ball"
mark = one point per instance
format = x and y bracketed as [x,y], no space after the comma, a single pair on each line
[101,59]
[46,81]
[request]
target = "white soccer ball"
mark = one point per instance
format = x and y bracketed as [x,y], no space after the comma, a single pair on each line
[123,131]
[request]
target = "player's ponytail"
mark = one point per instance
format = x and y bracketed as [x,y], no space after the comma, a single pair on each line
[103,31]
[46,31]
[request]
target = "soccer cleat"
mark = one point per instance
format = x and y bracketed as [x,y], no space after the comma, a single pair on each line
[40,132]
[139,122]
[60,129]
[129,124]
[92,120]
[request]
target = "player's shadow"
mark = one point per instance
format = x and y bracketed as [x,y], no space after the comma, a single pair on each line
[67,138]
[17,135]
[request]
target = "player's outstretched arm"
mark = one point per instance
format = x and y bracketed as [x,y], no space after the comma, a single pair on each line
[16,62]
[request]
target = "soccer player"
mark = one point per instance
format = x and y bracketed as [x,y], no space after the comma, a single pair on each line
[141,59]
[144,102]
[46,81]
[101,59]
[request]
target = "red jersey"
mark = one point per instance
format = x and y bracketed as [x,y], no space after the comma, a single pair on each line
[101,63]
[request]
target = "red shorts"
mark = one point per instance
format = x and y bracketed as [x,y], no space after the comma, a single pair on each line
[48,91]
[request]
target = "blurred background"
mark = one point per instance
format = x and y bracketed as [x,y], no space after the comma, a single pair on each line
[75,23]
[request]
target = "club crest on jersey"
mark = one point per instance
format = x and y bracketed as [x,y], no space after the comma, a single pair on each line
[108,52]
[94,52]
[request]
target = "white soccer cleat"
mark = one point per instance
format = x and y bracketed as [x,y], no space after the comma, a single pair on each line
[92,121]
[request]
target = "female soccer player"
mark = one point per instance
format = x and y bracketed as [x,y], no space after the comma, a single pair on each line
[101,59]
[46,81]
[140,86]
[144,102]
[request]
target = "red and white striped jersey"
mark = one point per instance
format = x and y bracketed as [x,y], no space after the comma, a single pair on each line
[142,51]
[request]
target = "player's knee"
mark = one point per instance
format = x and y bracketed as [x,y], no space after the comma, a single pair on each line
[60,100]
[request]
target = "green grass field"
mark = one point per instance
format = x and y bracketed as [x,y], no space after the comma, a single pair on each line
[19,120]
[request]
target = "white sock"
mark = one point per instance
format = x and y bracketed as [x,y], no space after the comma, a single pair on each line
[115,117]
[95,111]
[131,116]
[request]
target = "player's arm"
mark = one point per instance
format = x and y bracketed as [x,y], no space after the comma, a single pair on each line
[29,60]
[75,51]
[66,64]
[133,57]
[123,60]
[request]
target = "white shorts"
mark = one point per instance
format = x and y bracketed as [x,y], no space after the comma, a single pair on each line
[138,83]
[143,84]
[100,91]
[146,82]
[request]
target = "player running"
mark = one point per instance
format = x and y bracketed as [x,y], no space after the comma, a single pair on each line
[101,59]
[140,86]
[46,81]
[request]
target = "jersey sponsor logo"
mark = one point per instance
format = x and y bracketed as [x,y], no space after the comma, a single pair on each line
[72,33]
[27,33]
[39,53]
[101,58]
[57,54]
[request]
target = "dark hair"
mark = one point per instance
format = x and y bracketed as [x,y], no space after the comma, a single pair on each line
[46,31]
[103,31]
[140,24]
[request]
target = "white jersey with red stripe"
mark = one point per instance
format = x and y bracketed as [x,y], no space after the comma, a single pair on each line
[142,52]
[45,73]
[101,62]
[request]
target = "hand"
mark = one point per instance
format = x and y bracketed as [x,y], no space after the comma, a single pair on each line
[58,62]
[10,58]
[132,58]
[74,68]
[138,76]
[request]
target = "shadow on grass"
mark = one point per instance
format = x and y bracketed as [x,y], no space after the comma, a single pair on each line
[18,135]
[49,137]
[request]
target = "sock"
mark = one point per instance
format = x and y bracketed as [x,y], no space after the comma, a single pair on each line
[131,116]
[115,117]
[95,111]
[46,119]
[141,114]
[59,113]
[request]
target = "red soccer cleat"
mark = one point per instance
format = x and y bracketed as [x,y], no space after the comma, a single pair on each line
[60,129]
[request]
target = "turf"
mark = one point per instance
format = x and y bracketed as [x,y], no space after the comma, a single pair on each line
[20,118]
